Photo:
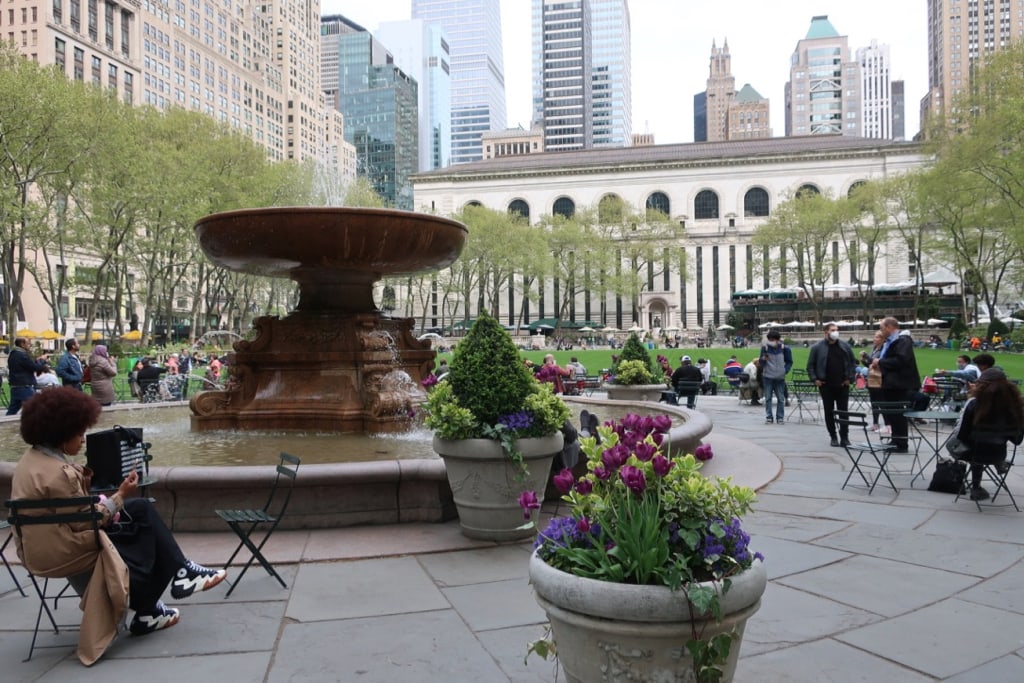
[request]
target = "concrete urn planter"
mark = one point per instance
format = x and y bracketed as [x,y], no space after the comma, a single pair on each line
[635,392]
[484,485]
[607,631]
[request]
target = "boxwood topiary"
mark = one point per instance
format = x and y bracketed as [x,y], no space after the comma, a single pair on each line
[634,349]
[487,375]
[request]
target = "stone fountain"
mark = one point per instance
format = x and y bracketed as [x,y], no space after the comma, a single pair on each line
[335,363]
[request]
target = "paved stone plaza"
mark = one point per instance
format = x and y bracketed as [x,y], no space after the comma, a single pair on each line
[908,587]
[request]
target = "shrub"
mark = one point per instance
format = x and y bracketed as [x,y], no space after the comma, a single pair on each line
[634,349]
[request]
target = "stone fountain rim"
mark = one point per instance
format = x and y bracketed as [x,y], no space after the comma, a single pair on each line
[329,210]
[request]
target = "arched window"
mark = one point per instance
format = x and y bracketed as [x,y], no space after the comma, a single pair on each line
[854,187]
[755,202]
[517,207]
[658,201]
[564,207]
[473,202]
[807,190]
[705,205]
[610,210]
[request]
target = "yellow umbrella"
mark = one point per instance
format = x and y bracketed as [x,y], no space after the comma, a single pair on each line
[28,334]
[51,334]
[96,335]
[132,335]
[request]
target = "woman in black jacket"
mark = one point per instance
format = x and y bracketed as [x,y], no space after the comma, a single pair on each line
[992,416]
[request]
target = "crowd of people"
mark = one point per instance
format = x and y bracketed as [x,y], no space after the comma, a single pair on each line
[149,379]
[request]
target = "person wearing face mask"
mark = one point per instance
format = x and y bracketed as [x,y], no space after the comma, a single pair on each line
[832,367]
[776,361]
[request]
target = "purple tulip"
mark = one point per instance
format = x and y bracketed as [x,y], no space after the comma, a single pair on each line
[662,423]
[633,478]
[661,465]
[703,452]
[584,486]
[644,451]
[659,438]
[564,480]
[601,473]
[528,501]
[615,457]
[583,525]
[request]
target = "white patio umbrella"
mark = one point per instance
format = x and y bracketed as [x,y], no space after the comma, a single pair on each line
[672,328]
[723,328]
[609,328]
[936,321]
[635,328]
[587,328]
[768,326]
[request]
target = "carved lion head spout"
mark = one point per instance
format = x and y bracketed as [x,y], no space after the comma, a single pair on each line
[395,395]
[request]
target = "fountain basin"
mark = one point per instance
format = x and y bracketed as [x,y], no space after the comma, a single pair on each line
[328,494]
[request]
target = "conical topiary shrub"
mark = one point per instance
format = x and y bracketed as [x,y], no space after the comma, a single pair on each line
[487,376]
[635,350]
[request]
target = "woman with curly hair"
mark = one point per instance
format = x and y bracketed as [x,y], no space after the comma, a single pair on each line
[138,558]
[994,412]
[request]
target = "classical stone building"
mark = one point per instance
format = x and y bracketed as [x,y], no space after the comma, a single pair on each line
[720,193]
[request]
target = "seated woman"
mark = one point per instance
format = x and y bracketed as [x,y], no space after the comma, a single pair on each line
[135,540]
[993,414]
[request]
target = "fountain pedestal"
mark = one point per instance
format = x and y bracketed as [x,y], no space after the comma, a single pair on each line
[335,363]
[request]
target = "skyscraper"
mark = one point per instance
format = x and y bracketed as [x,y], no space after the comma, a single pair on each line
[823,92]
[473,28]
[421,49]
[722,113]
[562,73]
[876,91]
[960,34]
[611,79]
[379,102]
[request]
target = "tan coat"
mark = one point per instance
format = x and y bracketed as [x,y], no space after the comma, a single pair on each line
[62,550]
[101,378]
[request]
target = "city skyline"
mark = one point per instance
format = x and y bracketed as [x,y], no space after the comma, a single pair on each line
[682,33]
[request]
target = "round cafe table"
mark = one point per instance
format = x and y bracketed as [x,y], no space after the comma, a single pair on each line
[935,440]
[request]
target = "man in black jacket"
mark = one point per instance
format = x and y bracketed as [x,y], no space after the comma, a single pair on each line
[900,378]
[686,372]
[832,368]
[21,372]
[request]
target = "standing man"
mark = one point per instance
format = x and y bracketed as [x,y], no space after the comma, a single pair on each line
[900,378]
[69,366]
[21,373]
[832,367]
[776,362]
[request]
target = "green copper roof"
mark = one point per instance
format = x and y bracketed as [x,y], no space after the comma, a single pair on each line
[821,28]
[748,94]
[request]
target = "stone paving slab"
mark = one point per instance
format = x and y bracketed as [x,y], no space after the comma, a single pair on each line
[422,647]
[790,557]
[508,647]
[823,661]
[478,566]
[790,527]
[789,616]
[879,586]
[966,555]
[890,515]
[363,588]
[500,604]
[951,637]
[250,666]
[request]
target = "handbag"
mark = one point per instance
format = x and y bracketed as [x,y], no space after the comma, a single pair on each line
[950,477]
[874,378]
[957,449]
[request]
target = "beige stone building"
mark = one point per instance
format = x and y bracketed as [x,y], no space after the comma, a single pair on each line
[723,113]
[960,34]
[718,192]
[514,141]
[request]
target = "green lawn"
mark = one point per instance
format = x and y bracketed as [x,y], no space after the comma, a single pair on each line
[927,359]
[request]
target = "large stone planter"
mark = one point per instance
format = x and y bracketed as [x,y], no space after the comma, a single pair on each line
[617,632]
[635,392]
[484,484]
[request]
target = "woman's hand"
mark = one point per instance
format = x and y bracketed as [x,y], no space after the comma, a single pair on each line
[129,488]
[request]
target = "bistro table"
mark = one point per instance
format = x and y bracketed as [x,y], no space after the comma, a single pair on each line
[938,417]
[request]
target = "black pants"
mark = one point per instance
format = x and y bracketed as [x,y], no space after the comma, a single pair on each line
[896,420]
[835,398]
[148,548]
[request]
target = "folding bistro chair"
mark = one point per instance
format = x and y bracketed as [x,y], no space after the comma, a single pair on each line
[995,472]
[70,511]
[806,393]
[856,450]
[688,390]
[245,522]
[3,548]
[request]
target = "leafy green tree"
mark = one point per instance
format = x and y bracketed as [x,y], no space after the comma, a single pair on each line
[803,229]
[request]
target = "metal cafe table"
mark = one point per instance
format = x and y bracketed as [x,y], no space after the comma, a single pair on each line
[935,440]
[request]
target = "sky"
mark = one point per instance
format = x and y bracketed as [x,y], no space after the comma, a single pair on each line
[671,45]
